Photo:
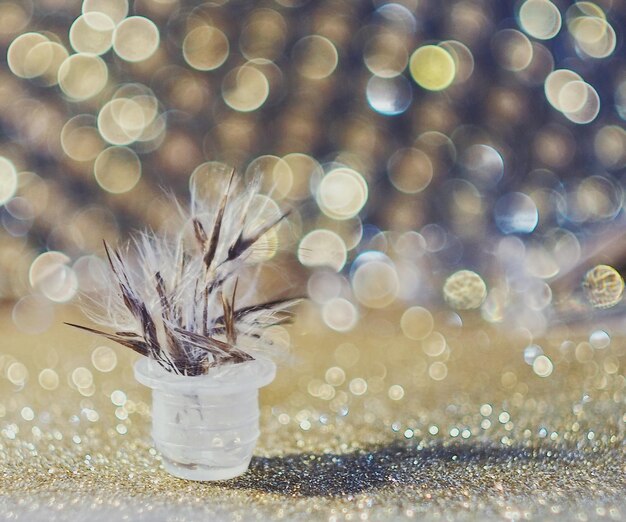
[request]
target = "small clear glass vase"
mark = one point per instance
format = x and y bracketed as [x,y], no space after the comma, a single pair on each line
[206,427]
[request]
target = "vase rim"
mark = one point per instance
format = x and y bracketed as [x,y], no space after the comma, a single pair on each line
[224,380]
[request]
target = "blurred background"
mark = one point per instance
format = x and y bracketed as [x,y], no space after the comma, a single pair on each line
[439,156]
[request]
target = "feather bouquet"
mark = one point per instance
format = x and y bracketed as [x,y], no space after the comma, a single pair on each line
[205,355]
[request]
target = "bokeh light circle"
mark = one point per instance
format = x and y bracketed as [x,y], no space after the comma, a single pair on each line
[33,314]
[44,60]
[48,379]
[463,59]
[410,170]
[340,314]
[121,121]
[104,359]
[117,169]
[573,96]
[465,290]
[540,19]
[375,283]
[586,100]
[516,213]
[205,48]
[245,88]
[483,163]
[342,193]
[50,274]
[275,174]
[315,57]
[385,55]
[92,33]
[116,10]
[603,286]
[417,323]
[80,138]
[82,76]
[432,67]
[389,96]
[555,82]
[8,180]
[136,39]
[322,248]
[22,61]
[543,366]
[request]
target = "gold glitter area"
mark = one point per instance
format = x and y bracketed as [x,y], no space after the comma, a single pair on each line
[360,427]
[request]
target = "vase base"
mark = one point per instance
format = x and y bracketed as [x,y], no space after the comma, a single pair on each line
[203,473]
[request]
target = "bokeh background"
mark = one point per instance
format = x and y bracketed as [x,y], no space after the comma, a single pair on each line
[456,174]
[413,139]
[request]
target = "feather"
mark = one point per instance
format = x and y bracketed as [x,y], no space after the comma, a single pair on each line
[178,302]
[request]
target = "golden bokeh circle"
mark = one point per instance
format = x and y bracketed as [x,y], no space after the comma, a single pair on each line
[275,175]
[375,283]
[39,59]
[594,36]
[208,179]
[465,290]
[245,88]
[104,359]
[116,10]
[438,371]
[117,169]
[432,67]
[340,315]
[386,55]
[555,82]
[205,48]
[543,366]
[342,193]
[82,377]
[410,170]
[586,100]
[315,57]
[121,121]
[92,33]
[573,96]
[540,19]
[55,54]
[417,323]
[50,275]
[22,61]
[434,344]
[322,247]
[136,39]
[82,76]
[80,138]
[603,286]
[48,379]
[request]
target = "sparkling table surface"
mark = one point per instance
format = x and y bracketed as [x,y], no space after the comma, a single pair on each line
[367,425]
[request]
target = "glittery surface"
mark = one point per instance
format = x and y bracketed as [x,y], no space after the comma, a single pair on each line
[355,427]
